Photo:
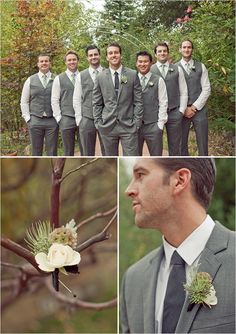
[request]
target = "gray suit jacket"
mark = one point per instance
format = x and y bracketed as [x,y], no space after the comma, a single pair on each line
[127,109]
[137,310]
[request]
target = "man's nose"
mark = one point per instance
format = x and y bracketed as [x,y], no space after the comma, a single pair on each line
[131,190]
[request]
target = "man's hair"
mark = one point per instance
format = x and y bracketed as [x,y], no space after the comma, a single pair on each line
[71,52]
[144,53]
[203,175]
[91,47]
[44,55]
[117,45]
[161,44]
[186,40]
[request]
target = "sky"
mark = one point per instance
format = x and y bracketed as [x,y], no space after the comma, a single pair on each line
[94,4]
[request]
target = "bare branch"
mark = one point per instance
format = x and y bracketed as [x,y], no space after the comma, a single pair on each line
[97,215]
[79,303]
[78,168]
[98,237]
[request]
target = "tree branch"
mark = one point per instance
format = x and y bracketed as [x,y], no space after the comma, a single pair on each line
[97,215]
[78,168]
[79,303]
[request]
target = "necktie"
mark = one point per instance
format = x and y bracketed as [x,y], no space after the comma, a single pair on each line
[175,294]
[143,82]
[116,83]
[45,81]
[163,71]
[73,78]
[188,68]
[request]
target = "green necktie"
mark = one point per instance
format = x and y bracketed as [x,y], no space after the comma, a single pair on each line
[45,81]
[188,68]
[143,82]
[73,78]
[163,71]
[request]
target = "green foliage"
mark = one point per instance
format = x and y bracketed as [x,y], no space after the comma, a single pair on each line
[37,237]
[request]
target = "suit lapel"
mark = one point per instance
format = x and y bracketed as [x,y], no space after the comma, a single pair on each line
[109,81]
[123,73]
[209,263]
[149,291]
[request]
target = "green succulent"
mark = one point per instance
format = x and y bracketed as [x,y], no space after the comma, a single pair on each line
[199,288]
[37,237]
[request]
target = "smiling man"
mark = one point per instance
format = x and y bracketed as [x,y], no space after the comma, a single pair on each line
[117,105]
[83,102]
[36,109]
[62,102]
[172,195]
[154,105]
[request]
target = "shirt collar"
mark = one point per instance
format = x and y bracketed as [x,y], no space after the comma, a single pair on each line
[184,62]
[69,73]
[193,245]
[160,64]
[147,75]
[118,70]
[41,74]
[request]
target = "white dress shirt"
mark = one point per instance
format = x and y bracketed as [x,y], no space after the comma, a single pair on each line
[162,97]
[183,89]
[113,75]
[205,83]
[25,95]
[190,250]
[77,100]
[56,93]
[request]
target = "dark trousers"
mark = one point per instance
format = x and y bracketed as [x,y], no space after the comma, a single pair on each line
[174,131]
[200,125]
[152,135]
[87,136]
[41,129]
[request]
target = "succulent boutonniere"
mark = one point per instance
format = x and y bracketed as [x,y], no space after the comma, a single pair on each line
[171,69]
[200,289]
[123,79]
[54,249]
[150,84]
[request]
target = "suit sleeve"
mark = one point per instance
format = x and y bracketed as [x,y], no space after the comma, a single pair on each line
[98,103]
[123,310]
[138,102]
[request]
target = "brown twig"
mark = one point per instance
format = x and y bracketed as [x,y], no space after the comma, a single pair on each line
[78,168]
[97,215]
[98,237]
[80,303]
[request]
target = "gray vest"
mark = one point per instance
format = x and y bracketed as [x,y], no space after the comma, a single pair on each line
[172,84]
[66,95]
[87,94]
[40,97]
[193,81]
[151,101]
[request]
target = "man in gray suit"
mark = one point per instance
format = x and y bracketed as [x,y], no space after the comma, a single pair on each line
[199,90]
[177,95]
[172,196]
[117,105]
[83,102]
[36,109]
[154,105]
[62,102]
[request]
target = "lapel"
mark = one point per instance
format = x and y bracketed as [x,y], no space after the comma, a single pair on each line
[147,84]
[149,291]
[123,73]
[109,80]
[209,263]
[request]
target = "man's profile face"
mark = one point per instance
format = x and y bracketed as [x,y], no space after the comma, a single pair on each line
[93,57]
[162,54]
[114,56]
[186,49]
[44,64]
[150,193]
[71,62]
[143,64]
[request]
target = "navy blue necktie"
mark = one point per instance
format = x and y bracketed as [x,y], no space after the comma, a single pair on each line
[175,294]
[116,83]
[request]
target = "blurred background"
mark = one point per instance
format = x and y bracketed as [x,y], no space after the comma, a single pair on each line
[135,242]
[26,189]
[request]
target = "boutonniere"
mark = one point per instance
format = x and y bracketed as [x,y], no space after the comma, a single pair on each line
[171,69]
[150,84]
[193,68]
[200,289]
[123,79]
[54,249]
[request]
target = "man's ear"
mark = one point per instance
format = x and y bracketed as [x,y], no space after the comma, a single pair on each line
[181,181]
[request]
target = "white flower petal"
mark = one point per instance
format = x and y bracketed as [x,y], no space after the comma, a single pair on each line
[76,259]
[42,261]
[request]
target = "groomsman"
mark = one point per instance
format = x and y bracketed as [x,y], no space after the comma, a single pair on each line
[62,102]
[177,96]
[118,107]
[199,90]
[83,102]
[154,105]
[36,109]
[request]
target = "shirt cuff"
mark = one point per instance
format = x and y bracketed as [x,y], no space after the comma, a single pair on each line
[78,120]
[160,124]
[27,118]
[58,118]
